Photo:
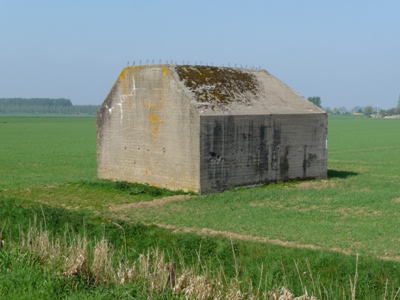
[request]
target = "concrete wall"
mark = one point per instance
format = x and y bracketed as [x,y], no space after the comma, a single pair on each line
[148,132]
[153,128]
[245,150]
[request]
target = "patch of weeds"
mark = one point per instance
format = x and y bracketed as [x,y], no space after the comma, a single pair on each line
[137,188]
[132,188]
[137,191]
[122,185]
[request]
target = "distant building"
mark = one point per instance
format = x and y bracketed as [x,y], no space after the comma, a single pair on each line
[206,129]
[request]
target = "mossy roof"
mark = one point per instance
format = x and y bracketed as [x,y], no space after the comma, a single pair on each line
[241,91]
[218,90]
[217,84]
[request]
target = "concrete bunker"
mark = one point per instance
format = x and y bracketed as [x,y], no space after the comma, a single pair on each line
[206,129]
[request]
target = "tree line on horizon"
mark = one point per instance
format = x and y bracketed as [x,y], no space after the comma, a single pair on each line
[367,110]
[64,106]
[60,106]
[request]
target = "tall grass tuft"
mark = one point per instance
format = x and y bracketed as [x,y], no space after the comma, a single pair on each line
[102,270]
[100,264]
[76,258]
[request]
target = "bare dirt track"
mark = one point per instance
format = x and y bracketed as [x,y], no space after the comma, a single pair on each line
[156,202]
[209,231]
[223,233]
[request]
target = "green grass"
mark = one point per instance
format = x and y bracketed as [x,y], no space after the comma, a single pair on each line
[355,210]
[51,161]
[37,151]
[323,273]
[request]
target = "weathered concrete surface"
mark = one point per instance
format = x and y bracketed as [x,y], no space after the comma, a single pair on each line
[206,129]
[148,131]
[253,150]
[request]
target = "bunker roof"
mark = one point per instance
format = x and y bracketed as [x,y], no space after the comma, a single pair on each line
[215,90]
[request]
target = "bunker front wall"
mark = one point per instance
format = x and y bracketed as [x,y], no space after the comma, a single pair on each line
[148,132]
[240,150]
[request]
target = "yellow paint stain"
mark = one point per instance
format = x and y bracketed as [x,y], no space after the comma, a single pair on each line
[126,78]
[165,70]
[124,88]
[154,107]
[153,118]
[122,78]
[129,69]
[155,123]
[122,75]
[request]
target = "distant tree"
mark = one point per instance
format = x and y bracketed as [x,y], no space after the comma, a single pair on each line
[335,111]
[343,110]
[368,110]
[398,106]
[315,100]
[44,106]
[391,111]
[381,112]
[327,109]
[356,109]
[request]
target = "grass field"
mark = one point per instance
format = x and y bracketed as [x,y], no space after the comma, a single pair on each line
[355,211]
[38,151]
[51,161]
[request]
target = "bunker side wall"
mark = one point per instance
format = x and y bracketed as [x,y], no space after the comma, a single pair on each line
[254,150]
[148,132]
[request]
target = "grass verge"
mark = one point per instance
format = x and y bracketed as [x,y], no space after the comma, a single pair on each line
[77,254]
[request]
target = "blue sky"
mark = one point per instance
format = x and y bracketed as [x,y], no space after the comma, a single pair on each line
[346,52]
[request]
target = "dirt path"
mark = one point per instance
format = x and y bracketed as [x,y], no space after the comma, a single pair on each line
[261,239]
[223,233]
[152,203]
[238,236]
[206,231]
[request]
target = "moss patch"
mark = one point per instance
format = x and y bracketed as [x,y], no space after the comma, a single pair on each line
[217,85]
